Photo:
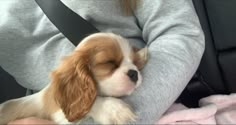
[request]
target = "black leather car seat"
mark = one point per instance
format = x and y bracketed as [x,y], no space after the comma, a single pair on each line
[217,71]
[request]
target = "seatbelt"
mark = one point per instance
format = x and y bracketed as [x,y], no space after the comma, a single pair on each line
[70,24]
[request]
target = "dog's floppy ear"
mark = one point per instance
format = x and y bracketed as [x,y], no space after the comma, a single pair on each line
[74,88]
[141,57]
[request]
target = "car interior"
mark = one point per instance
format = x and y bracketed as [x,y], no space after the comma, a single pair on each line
[217,71]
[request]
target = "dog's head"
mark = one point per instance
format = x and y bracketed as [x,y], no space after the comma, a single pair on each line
[102,64]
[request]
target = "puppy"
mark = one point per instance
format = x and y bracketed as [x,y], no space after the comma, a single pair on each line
[103,66]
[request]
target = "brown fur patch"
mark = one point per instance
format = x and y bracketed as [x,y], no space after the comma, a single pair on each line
[106,58]
[74,88]
[139,57]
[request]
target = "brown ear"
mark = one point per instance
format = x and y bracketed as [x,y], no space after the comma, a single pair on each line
[74,88]
[141,57]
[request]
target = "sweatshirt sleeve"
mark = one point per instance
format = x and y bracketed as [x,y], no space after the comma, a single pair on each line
[30,45]
[175,41]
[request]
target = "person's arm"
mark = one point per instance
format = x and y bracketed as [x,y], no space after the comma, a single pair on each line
[176,43]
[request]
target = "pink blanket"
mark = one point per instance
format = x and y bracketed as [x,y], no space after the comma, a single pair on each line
[216,109]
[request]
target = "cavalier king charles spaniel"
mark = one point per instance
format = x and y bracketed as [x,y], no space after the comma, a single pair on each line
[86,84]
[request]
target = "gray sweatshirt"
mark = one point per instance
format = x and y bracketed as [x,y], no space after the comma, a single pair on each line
[31,46]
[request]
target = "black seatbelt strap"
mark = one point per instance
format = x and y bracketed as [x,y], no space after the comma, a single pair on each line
[71,25]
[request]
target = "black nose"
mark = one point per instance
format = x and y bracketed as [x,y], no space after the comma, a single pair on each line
[133,75]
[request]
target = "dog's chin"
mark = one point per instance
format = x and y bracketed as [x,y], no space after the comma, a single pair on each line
[119,91]
[123,91]
[128,90]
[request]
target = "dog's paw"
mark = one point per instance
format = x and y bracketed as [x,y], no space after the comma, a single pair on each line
[114,111]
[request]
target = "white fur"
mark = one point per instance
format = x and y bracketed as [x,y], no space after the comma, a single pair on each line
[105,110]
[60,118]
[127,63]
[108,110]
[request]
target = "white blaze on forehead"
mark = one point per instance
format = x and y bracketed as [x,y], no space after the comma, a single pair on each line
[127,62]
[125,48]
